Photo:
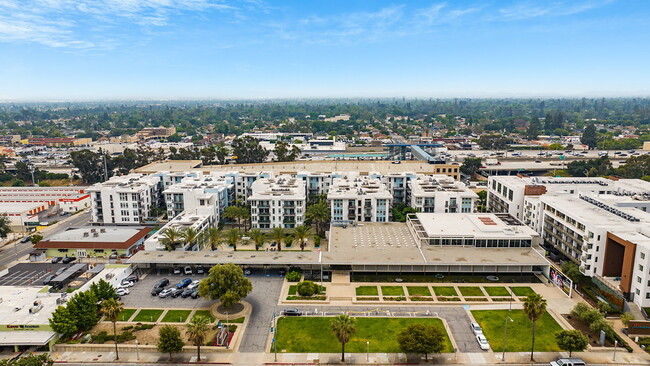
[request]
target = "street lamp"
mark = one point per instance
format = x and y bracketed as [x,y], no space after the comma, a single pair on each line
[275,336]
[367,351]
[137,350]
[505,335]
[615,344]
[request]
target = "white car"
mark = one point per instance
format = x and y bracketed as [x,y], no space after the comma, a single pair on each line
[476,329]
[482,342]
[193,285]
[126,283]
[166,292]
[121,291]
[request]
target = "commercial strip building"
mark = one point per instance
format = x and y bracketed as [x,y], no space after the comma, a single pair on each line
[68,199]
[95,242]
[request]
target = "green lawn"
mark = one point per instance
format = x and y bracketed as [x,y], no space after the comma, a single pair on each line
[125,314]
[367,291]
[147,315]
[392,291]
[522,291]
[204,313]
[312,334]
[445,291]
[176,316]
[418,291]
[293,289]
[471,291]
[496,291]
[231,320]
[519,330]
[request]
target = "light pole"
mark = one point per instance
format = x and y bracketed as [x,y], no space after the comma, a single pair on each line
[367,351]
[275,336]
[615,344]
[137,351]
[505,335]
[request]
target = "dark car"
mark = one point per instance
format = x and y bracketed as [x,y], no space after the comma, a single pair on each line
[184,283]
[48,279]
[67,260]
[131,278]
[200,270]
[195,293]
[292,312]
[26,239]
[177,292]
[187,292]
[56,259]
[156,291]
[161,283]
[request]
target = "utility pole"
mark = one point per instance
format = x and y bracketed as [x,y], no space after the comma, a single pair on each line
[105,168]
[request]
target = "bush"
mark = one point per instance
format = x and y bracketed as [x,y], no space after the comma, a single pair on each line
[125,336]
[601,324]
[101,337]
[307,288]
[591,316]
[128,327]
[142,327]
[232,328]
[294,276]
[317,241]
[579,309]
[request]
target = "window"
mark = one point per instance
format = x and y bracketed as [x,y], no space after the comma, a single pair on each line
[647,295]
[642,255]
[640,267]
[638,279]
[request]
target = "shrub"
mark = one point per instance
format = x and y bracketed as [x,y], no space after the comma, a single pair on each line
[125,336]
[307,288]
[101,337]
[128,327]
[294,276]
[601,324]
[143,327]
[579,309]
[316,241]
[591,316]
[232,328]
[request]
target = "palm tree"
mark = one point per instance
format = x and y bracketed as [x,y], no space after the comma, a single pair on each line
[111,308]
[214,237]
[534,307]
[197,330]
[189,235]
[277,235]
[343,326]
[301,233]
[170,237]
[258,237]
[319,214]
[232,237]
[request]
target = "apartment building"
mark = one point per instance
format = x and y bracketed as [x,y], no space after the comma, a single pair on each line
[155,132]
[398,185]
[359,198]
[243,182]
[199,194]
[440,193]
[277,202]
[125,200]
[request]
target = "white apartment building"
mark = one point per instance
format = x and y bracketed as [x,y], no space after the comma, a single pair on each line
[277,202]
[124,200]
[440,193]
[199,194]
[243,182]
[398,185]
[357,198]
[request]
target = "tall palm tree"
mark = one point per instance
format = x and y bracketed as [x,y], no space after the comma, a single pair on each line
[197,331]
[170,237]
[189,236]
[232,237]
[111,308]
[319,214]
[534,307]
[343,326]
[258,237]
[214,237]
[277,234]
[301,233]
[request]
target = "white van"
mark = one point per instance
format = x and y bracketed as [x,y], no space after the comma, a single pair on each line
[568,362]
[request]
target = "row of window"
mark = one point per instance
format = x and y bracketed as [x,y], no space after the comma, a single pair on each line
[482,243]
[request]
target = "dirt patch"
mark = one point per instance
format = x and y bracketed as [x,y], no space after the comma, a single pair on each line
[147,336]
[584,328]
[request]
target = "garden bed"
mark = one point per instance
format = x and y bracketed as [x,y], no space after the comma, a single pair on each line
[584,328]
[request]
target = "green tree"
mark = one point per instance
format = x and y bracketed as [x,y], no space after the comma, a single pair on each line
[343,326]
[214,237]
[103,290]
[5,227]
[555,146]
[258,238]
[190,235]
[400,211]
[421,339]
[307,288]
[532,132]
[301,233]
[635,167]
[248,150]
[84,308]
[237,213]
[284,153]
[29,360]
[197,331]
[590,136]
[170,238]
[91,165]
[534,307]
[227,283]
[63,322]
[573,272]
[111,308]
[493,142]
[626,318]
[571,340]
[169,340]
[471,166]
[590,168]
[481,204]
[319,215]
[277,235]
[233,236]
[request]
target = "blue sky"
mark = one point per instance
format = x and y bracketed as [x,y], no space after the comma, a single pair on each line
[169,49]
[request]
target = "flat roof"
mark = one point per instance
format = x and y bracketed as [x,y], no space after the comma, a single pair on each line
[476,225]
[19,207]
[107,237]
[588,213]
[24,327]
[26,337]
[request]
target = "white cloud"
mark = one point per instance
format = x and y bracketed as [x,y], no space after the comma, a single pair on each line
[528,10]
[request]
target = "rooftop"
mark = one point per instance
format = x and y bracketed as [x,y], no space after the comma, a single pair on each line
[105,237]
[587,212]
[19,207]
[477,225]
[25,327]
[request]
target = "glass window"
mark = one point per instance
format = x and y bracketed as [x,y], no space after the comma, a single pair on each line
[481,243]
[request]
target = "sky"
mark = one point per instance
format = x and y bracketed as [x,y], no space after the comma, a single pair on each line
[59,50]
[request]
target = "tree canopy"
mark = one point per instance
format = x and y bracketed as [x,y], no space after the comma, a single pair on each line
[421,339]
[571,340]
[169,340]
[227,283]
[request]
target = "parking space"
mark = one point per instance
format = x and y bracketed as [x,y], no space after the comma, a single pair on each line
[30,274]
[140,294]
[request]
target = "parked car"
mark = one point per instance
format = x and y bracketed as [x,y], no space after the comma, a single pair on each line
[48,279]
[396,162]
[476,329]
[187,292]
[157,290]
[60,270]
[187,270]
[161,283]
[166,292]
[67,260]
[177,270]
[176,292]
[184,283]
[132,278]
[195,293]
[26,239]
[193,285]
[200,270]
[121,291]
[57,259]
[292,312]
[126,283]
[568,362]
[482,342]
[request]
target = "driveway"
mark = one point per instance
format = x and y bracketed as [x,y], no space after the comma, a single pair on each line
[264,299]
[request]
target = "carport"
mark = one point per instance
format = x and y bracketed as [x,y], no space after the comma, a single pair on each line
[68,275]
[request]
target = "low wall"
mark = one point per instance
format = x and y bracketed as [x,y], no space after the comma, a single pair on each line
[108,347]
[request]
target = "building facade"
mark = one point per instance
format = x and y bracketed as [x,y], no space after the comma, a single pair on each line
[359,198]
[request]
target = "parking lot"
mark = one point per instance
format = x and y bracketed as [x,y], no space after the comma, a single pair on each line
[140,294]
[30,274]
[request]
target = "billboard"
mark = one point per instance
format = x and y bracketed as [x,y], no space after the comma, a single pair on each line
[560,280]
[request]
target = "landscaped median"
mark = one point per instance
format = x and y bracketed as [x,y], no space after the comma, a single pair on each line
[313,334]
[440,293]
